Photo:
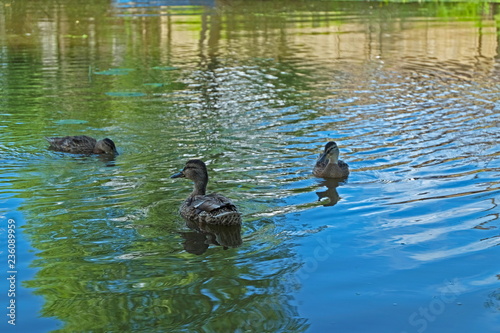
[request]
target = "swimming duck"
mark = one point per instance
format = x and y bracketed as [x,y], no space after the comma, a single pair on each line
[205,208]
[82,144]
[328,164]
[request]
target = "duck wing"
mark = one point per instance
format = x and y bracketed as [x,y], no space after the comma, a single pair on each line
[342,164]
[322,161]
[212,209]
[211,203]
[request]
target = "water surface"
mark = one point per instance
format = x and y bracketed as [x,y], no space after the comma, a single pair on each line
[408,243]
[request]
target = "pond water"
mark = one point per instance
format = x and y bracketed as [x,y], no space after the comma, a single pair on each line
[410,93]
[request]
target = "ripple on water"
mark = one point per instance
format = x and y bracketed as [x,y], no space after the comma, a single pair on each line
[420,135]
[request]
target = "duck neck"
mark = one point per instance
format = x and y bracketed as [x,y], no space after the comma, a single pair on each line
[200,187]
[334,157]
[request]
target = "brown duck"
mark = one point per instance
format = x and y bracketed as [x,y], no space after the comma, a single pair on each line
[205,208]
[328,164]
[82,144]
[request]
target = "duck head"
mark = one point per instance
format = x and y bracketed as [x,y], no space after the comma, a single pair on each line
[105,146]
[196,170]
[331,153]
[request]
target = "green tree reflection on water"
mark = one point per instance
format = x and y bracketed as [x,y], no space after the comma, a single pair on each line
[93,275]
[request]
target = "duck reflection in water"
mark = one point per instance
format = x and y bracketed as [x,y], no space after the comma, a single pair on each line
[204,235]
[331,191]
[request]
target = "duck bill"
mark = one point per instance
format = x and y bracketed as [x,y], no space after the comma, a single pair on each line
[178,175]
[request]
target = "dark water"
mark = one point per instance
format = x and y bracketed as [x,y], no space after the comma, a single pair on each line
[408,243]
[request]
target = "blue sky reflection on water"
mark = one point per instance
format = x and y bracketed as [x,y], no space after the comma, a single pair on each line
[405,244]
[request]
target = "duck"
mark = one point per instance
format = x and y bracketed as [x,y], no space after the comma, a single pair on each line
[82,144]
[328,164]
[199,207]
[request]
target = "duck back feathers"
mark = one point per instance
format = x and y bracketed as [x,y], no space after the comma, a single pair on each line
[212,209]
